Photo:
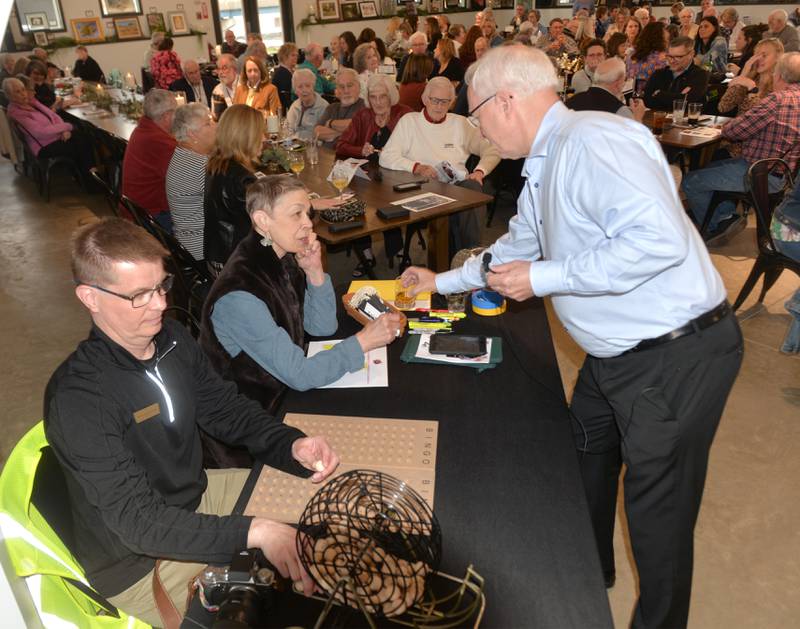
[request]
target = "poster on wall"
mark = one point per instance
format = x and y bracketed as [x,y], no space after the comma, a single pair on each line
[120,7]
[350,11]
[328,10]
[40,38]
[177,23]
[128,28]
[368,9]
[155,22]
[36,21]
[87,30]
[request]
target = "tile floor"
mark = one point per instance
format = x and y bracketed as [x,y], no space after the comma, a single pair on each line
[747,566]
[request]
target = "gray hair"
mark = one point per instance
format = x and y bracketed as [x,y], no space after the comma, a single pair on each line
[436,82]
[228,56]
[302,73]
[788,67]
[384,82]
[189,118]
[609,71]
[156,37]
[5,58]
[189,62]
[686,10]
[313,46]
[158,102]
[519,69]
[526,27]
[360,57]
[418,36]
[780,15]
[37,52]
[265,193]
[8,83]
[344,71]
[730,12]
[641,14]
[682,41]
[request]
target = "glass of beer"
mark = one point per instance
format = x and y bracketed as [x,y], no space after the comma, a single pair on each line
[694,112]
[296,162]
[402,299]
[658,122]
[340,177]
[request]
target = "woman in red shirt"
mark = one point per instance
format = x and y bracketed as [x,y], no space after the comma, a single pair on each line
[165,65]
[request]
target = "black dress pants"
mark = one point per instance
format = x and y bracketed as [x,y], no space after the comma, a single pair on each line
[656,410]
[77,147]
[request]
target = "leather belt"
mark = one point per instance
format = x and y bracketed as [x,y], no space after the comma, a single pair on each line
[695,325]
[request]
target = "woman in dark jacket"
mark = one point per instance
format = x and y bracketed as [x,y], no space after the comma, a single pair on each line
[347,46]
[231,168]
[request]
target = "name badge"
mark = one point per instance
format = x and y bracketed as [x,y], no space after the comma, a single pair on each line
[146,413]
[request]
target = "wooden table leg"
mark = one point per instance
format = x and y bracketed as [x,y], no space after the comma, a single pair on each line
[438,245]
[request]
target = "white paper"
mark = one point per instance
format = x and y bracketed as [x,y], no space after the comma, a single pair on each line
[353,168]
[423,351]
[422,202]
[374,373]
[702,132]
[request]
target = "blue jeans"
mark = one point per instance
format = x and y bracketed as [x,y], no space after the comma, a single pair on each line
[791,343]
[728,175]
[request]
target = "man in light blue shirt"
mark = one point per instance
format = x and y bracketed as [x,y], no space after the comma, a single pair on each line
[601,230]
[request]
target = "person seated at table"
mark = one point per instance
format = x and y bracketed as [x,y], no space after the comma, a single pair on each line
[785,230]
[45,94]
[556,42]
[147,156]
[415,78]
[593,53]
[458,35]
[710,48]
[338,115]
[365,63]
[778,28]
[618,25]
[466,54]
[254,88]
[633,27]
[519,16]
[124,415]
[489,31]
[605,94]
[86,67]
[271,293]
[525,35]
[156,37]
[535,18]
[195,132]
[315,55]
[402,41]
[449,67]
[306,112]
[330,64]
[45,133]
[432,142]
[225,91]
[419,46]
[165,65]
[282,74]
[347,46]
[687,26]
[770,129]
[730,26]
[7,63]
[232,47]
[198,88]
[53,71]
[257,50]
[385,59]
[231,168]
[681,79]
[649,54]
[749,37]
[432,32]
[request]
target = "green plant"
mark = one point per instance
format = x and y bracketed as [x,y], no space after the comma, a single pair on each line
[60,42]
[275,155]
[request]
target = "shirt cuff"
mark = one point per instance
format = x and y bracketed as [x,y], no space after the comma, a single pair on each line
[547,277]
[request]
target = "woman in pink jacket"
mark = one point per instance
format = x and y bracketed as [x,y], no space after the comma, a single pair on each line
[46,134]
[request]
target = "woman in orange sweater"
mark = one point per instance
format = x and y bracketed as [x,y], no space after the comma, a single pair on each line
[254,88]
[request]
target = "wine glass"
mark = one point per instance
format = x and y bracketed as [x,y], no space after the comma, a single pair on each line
[340,177]
[296,162]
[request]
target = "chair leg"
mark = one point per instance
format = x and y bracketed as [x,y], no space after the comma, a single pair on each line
[771,275]
[750,282]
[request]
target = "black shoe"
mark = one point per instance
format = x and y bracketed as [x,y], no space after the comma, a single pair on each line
[610,578]
[727,228]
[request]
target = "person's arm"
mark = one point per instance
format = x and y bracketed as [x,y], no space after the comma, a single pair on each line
[351,142]
[732,98]
[639,214]
[753,122]
[478,145]
[87,433]
[719,55]
[393,155]
[293,117]
[319,309]
[243,321]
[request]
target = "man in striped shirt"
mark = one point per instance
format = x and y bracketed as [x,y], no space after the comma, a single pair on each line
[770,129]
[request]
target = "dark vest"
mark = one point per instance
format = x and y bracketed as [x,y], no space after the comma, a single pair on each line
[595,99]
[281,285]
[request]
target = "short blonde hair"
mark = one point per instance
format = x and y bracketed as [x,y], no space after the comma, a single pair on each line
[286,50]
[378,82]
[360,56]
[239,134]
[301,73]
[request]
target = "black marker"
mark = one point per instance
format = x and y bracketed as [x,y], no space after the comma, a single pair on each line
[487,260]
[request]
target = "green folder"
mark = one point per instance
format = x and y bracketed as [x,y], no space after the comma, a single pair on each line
[410,350]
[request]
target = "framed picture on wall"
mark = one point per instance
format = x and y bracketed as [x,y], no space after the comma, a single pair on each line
[177,23]
[155,22]
[87,30]
[368,9]
[40,38]
[110,8]
[128,28]
[350,11]
[436,6]
[36,21]
[328,9]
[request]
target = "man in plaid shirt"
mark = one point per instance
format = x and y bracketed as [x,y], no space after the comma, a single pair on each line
[769,129]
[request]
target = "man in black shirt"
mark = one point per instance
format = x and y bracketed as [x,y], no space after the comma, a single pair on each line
[123,415]
[87,68]
[682,79]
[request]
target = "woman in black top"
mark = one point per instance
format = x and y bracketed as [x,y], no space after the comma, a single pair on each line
[87,68]
[282,75]
[347,46]
[433,32]
[45,94]
[449,67]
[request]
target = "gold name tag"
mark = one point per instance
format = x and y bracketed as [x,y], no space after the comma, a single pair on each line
[146,413]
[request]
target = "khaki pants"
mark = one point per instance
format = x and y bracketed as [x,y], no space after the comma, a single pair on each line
[224,487]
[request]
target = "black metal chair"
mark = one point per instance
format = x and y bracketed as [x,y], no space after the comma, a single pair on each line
[770,262]
[505,179]
[112,197]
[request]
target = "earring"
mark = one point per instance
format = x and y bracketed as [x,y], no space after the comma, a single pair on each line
[266,241]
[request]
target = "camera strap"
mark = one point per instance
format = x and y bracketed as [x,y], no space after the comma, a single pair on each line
[170,617]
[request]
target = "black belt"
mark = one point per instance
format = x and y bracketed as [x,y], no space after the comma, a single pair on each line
[695,325]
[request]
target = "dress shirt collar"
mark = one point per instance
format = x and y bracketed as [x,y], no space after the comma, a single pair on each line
[551,121]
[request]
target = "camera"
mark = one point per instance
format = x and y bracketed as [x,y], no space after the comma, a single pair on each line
[241,594]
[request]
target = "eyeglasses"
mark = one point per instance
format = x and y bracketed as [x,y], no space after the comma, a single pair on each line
[471,114]
[678,57]
[142,298]
[439,101]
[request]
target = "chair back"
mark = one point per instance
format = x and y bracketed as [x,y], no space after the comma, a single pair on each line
[59,589]
[111,196]
[765,202]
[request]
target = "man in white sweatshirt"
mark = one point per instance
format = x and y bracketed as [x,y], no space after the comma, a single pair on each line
[437,144]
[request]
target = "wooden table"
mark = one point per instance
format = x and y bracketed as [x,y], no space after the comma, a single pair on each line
[378,194]
[700,149]
[117,125]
